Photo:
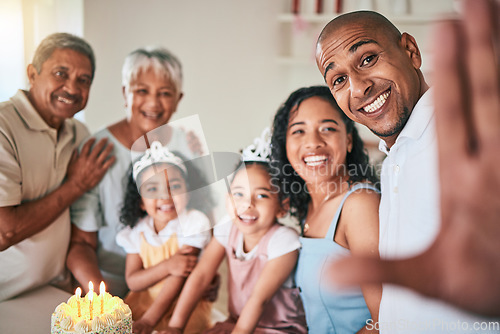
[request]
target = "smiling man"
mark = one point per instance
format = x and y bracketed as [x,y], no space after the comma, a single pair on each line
[40,172]
[373,72]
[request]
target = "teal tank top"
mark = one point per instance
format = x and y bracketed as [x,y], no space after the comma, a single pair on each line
[329,310]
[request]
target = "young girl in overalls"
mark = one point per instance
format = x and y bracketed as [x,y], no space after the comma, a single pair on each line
[261,256]
[162,250]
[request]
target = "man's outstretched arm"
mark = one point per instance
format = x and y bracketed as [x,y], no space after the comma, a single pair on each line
[462,267]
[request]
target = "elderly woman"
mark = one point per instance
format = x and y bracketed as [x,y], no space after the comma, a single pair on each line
[152,88]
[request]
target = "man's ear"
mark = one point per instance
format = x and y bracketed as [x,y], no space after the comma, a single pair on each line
[284,208]
[32,73]
[410,46]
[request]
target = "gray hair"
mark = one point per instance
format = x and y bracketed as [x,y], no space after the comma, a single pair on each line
[159,59]
[62,40]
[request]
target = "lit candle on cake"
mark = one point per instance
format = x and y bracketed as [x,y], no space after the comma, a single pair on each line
[78,293]
[91,296]
[102,291]
[116,318]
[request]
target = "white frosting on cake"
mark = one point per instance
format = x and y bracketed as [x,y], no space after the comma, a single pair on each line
[115,318]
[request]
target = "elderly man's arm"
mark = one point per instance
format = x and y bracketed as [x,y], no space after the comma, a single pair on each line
[85,170]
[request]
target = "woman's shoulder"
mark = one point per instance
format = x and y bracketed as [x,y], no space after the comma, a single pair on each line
[362,206]
[361,192]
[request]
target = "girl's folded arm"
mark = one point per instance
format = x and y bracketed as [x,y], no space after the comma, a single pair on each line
[197,283]
[138,278]
[272,277]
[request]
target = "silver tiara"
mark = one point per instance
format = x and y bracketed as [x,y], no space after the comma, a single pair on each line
[155,154]
[260,150]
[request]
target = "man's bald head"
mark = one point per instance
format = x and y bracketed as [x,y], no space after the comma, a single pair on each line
[368,19]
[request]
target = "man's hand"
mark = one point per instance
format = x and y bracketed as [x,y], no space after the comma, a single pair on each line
[86,169]
[462,267]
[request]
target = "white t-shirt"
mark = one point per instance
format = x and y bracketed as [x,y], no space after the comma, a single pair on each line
[130,238]
[409,223]
[284,240]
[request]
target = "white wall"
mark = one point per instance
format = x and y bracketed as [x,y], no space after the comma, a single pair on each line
[23,25]
[12,69]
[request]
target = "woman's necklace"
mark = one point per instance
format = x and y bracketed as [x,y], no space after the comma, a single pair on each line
[305,229]
[306,225]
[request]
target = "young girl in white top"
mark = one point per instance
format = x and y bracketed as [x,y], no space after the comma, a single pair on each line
[261,256]
[163,236]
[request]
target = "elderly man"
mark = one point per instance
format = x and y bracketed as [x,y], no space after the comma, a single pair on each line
[374,74]
[41,173]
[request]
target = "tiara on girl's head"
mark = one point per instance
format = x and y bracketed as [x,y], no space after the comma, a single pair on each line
[155,154]
[260,150]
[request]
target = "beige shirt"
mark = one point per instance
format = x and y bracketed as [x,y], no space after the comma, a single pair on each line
[33,162]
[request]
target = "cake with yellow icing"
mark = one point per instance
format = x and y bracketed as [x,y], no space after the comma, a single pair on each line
[83,315]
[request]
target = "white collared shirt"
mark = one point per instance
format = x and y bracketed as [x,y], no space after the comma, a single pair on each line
[409,223]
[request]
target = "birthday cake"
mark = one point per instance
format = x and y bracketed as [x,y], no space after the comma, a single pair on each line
[101,314]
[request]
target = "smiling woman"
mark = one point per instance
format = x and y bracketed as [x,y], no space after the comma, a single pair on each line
[316,146]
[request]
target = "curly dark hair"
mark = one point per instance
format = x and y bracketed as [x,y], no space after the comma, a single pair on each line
[357,162]
[131,212]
